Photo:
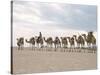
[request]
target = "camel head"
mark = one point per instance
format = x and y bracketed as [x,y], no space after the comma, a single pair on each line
[91,32]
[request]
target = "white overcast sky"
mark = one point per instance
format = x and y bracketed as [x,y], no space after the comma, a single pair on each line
[52,19]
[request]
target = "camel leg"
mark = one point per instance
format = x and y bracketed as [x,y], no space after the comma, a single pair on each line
[18,47]
[84,48]
[51,47]
[94,48]
[38,47]
[32,47]
[64,48]
[55,48]
[70,48]
[21,47]
[88,48]
[48,47]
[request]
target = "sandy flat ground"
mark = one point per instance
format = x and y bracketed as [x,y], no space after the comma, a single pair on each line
[44,60]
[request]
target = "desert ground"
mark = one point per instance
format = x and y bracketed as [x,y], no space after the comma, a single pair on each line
[41,60]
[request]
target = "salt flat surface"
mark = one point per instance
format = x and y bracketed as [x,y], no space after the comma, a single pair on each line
[44,60]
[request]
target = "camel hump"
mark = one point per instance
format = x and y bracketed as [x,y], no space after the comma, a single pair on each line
[50,38]
[32,38]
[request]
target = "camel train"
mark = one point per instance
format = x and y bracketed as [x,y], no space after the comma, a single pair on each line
[60,42]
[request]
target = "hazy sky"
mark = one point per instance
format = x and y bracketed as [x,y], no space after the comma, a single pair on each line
[29,18]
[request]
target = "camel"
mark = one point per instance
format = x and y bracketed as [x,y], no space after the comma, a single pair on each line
[72,43]
[64,42]
[39,40]
[90,39]
[31,42]
[79,40]
[49,41]
[20,43]
[57,42]
[86,39]
[93,39]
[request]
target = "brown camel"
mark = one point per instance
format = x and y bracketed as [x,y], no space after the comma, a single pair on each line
[31,42]
[80,41]
[20,43]
[49,41]
[39,41]
[64,42]
[93,39]
[57,42]
[90,40]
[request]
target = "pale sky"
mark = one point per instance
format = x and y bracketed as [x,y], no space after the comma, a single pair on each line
[52,19]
